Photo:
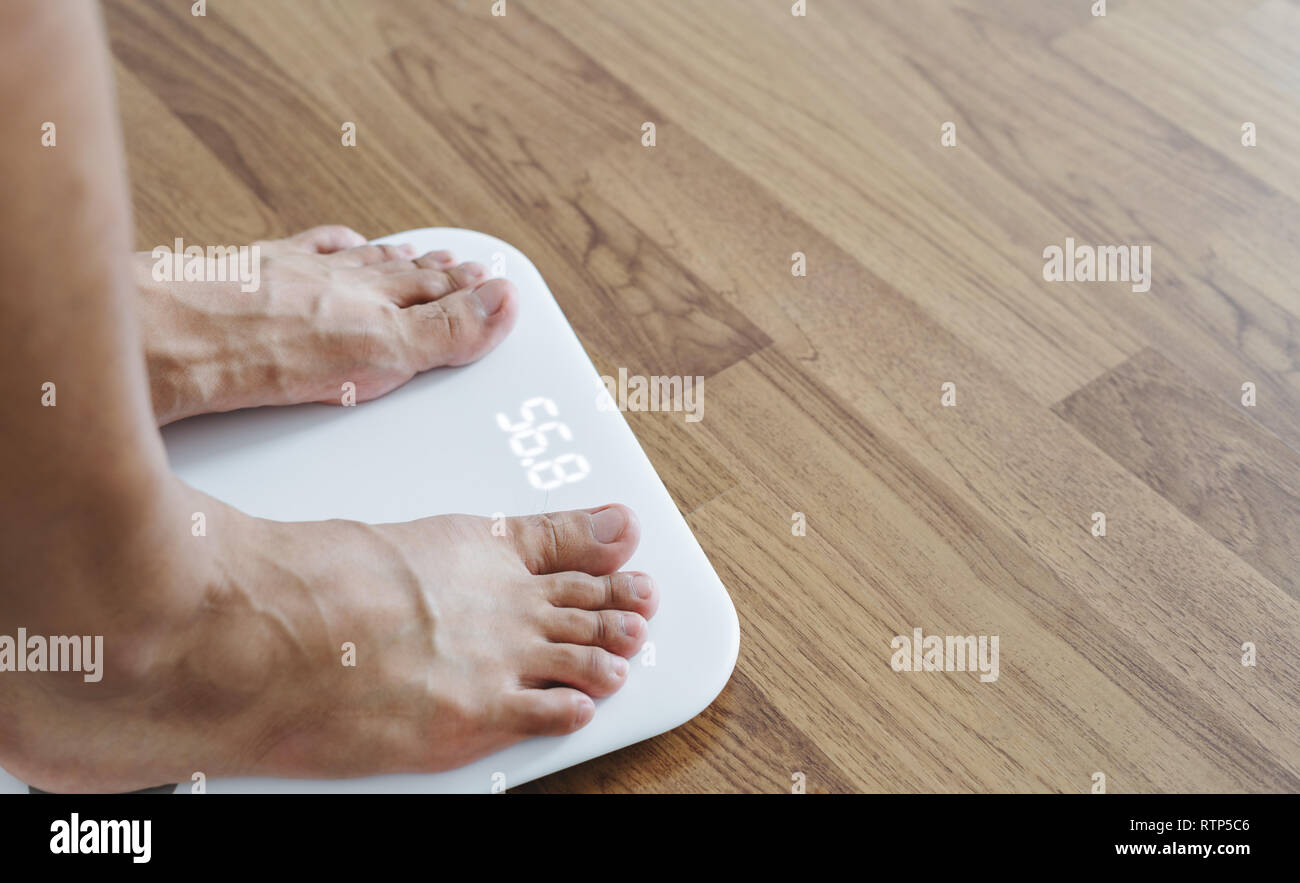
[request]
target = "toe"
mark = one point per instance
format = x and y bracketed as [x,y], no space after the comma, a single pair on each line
[592,670]
[469,273]
[436,260]
[326,239]
[418,286]
[626,590]
[461,327]
[551,712]
[594,541]
[618,631]
[365,255]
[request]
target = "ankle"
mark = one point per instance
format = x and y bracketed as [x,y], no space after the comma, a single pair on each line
[179,657]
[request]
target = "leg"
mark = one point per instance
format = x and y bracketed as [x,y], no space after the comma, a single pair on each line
[222,653]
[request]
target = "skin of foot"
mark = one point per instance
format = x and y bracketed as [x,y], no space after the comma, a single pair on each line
[466,640]
[329,309]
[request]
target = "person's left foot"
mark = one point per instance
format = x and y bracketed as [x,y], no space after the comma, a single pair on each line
[329,310]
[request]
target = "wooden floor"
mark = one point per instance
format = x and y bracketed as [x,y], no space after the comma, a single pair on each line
[778,134]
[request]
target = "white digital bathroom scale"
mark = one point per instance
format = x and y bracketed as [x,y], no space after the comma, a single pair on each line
[437,446]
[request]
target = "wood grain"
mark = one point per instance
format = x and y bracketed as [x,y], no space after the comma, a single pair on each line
[820,135]
[1223,470]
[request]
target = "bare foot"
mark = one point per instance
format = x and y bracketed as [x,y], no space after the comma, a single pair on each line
[329,310]
[465,642]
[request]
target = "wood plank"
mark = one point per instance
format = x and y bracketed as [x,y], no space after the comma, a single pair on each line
[622,290]
[1226,473]
[739,744]
[265,127]
[916,552]
[178,187]
[1165,584]
[829,115]
[1110,146]
[961,231]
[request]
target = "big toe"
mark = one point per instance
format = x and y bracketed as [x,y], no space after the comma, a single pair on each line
[461,327]
[594,541]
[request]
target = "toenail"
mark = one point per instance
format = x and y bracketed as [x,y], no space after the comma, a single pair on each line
[406,250]
[473,271]
[607,524]
[620,667]
[491,297]
[642,586]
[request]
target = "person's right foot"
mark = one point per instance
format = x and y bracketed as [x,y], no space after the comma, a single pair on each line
[465,641]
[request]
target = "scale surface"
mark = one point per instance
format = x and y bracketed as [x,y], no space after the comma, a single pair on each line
[437,446]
